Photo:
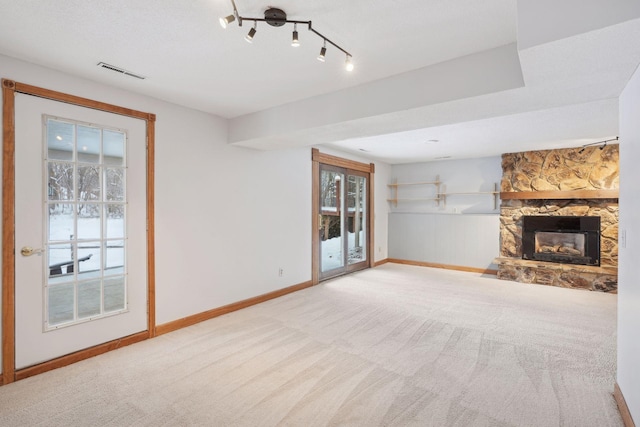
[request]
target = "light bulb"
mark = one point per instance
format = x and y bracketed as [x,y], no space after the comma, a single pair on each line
[294,41]
[348,65]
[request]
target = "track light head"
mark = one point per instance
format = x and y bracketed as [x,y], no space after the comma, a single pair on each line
[323,52]
[295,42]
[252,32]
[348,65]
[580,151]
[224,22]
[603,145]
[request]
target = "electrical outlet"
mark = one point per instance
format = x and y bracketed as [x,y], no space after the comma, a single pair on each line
[280,272]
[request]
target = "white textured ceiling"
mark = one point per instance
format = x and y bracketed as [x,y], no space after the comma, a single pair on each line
[568,95]
[189,59]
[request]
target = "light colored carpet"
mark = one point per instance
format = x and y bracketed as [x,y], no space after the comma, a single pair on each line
[392,346]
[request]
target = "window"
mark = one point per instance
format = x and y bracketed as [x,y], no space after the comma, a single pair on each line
[85,230]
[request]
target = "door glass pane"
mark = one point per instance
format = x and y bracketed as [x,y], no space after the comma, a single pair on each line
[114,257]
[89,144]
[61,263]
[88,183]
[89,295]
[60,181]
[114,294]
[332,220]
[60,140]
[89,225]
[89,260]
[113,148]
[61,303]
[114,184]
[115,221]
[61,221]
[356,205]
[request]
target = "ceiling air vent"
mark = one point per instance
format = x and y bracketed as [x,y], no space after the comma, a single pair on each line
[120,70]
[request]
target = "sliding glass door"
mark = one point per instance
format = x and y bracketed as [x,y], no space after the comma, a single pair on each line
[342,221]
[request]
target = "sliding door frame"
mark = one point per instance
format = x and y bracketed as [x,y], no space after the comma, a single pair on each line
[9,89]
[369,170]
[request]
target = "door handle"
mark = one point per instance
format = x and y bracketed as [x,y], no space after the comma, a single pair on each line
[28,251]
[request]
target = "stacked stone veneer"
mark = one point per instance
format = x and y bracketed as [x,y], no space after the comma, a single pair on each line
[560,170]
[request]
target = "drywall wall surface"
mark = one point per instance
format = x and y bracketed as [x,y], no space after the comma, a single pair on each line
[228,221]
[629,248]
[457,240]
[457,229]
[381,178]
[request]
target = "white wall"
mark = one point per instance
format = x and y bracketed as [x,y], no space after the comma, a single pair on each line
[464,231]
[629,249]
[459,240]
[227,218]
[381,230]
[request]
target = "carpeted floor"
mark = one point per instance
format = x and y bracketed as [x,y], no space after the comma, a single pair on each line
[391,346]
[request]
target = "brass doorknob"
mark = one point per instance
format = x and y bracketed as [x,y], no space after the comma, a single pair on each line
[28,251]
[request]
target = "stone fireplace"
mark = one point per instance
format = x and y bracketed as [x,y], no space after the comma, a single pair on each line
[559,218]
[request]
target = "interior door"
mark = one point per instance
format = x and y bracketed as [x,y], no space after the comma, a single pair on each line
[342,221]
[80,208]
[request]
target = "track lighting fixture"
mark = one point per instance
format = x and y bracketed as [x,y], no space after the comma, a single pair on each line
[252,32]
[277,18]
[604,144]
[295,42]
[323,52]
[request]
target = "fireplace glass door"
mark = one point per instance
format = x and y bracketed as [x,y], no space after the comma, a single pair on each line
[561,239]
[558,246]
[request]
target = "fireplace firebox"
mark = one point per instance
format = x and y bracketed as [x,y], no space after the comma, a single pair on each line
[561,239]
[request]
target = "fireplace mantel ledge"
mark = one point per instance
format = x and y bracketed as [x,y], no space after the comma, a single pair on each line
[549,195]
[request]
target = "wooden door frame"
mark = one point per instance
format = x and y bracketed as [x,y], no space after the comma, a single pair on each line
[369,169]
[9,89]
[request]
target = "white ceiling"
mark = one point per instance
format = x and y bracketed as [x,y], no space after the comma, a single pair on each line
[567,97]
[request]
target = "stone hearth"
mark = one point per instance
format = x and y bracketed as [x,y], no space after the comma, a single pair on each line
[563,275]
[539,177]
